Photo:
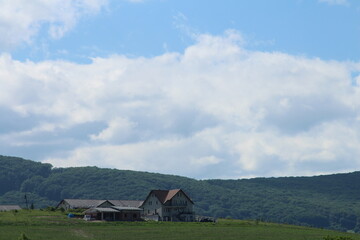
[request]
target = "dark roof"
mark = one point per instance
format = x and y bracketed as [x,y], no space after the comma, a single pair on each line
[166,195]
[9,207]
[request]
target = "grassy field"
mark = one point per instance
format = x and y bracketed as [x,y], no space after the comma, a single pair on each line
[38,225]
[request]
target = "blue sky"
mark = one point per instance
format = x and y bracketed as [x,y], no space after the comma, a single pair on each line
[325,29]
[205,89]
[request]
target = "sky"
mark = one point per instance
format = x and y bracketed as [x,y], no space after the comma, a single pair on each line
[205,89]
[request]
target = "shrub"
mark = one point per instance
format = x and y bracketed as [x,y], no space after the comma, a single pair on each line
[52,209]
[23,237]
[336,238]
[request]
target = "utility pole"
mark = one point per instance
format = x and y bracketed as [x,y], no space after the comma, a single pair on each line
[26,201]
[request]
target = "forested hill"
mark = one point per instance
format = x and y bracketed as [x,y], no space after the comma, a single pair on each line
[331,201]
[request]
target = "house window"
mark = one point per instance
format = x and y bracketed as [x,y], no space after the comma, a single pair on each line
[149,211]
[150,202]
[135,215]
[155,211]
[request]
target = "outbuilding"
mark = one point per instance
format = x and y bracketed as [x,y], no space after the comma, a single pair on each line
[5,208]
[114,213]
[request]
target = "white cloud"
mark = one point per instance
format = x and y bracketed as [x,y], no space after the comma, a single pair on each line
[21,20]
[118,129]
[205,161]
[169,155]
[216,110]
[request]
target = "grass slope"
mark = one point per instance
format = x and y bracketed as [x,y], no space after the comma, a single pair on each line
[55,226]
[331,201]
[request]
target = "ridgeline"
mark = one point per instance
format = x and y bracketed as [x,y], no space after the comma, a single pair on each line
[329,201]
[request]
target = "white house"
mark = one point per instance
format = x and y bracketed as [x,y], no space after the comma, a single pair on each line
[168,205]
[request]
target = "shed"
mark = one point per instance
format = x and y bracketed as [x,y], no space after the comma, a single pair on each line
[4,208]
[114,213]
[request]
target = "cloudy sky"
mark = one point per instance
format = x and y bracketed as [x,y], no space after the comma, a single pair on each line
[204,89]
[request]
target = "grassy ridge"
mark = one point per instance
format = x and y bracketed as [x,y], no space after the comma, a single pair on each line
[331,201]
[40,225]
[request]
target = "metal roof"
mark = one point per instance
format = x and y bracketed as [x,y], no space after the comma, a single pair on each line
[9,207]
[111,209]
[93,210]
[127,208]
[83,203]
[92,203]
[126,203]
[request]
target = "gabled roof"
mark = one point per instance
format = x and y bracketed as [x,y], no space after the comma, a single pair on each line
[9,207]
[83,203]
[166,195]
[126,203]
[92,203]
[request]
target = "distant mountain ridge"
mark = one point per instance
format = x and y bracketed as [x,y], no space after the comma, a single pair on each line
[329,201]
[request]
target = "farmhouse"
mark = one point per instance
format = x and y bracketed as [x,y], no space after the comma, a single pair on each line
[168,205]
[159,205]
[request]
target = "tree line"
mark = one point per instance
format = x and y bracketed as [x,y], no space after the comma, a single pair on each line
[330,201]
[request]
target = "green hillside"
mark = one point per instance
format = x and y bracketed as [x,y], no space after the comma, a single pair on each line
[49,225]
[331,201]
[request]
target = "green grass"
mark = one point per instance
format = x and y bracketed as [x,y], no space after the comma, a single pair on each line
[38,225]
